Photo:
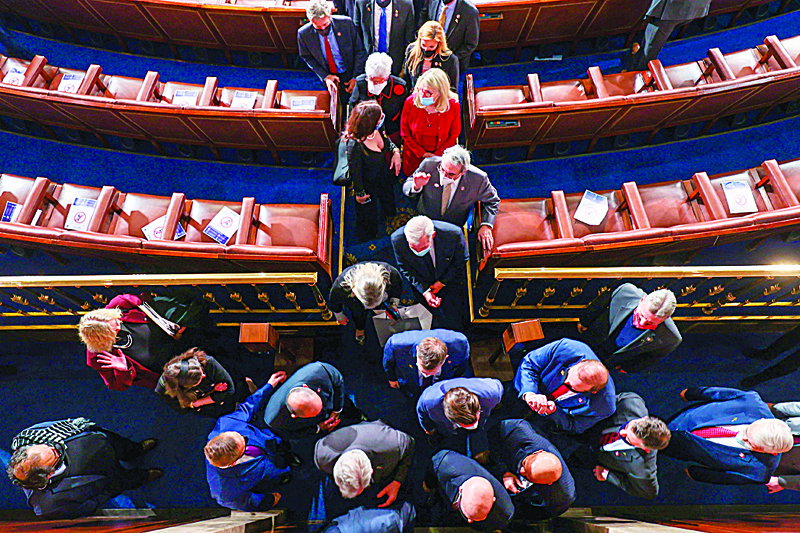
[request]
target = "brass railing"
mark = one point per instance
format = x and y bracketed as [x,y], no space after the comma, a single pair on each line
[54,302]
[759,292]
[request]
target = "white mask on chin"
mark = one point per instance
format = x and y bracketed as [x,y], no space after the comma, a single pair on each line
[375,88]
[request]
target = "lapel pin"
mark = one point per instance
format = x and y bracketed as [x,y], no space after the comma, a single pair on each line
[435,184]
[339,34]
[741,455]
[462,188]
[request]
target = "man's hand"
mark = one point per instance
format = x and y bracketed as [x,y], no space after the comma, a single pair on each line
[394,384]
[432,299]
[362,199]
[331,82]
[344,321]
[581,327]
[330,422]
[600,473]
[436,287]
[428,154]
[683,394]
[277,378]
[512,483]
[350,85]
[397,163]
[486,239]
[391,491]
[420,180]
[112,362]
[539,403]
[774,485]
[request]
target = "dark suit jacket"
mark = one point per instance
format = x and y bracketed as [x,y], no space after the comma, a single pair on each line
[448,64]
[400,34]
[400,357]
[788,470]
[323,379]
[345,8]
[634,471]
[388,520]
[349,46]
[453,469]
[390,451]
[430,410]
[462,35]
[683,10]
[243,486]
[391,100]
[513,440]
[544,369]
[723,465]
[473,187]
[607,313]
[452,255]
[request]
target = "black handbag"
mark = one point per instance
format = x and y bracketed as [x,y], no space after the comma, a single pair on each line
[341,170]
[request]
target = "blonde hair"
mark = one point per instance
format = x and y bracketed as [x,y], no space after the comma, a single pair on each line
[435,78]
[367,282]
[430,31]
[94,329]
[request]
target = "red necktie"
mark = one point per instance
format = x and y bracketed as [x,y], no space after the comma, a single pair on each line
[714,432]
[608,438]
[796,440]
[561,391]
[329,54]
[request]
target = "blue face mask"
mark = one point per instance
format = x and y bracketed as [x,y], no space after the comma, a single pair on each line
[380,122]
[421,253]
[426,100]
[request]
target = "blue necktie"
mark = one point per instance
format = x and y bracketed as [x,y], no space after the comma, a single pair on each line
[382,37]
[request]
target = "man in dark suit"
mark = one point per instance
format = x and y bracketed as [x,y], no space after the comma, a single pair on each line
[377,83]
[787,475]
[369,453]
[662,17]
[565,382]
[70,468]
[414,360]
[630,330]
[331,47]
[362,520]
[471,490]
[732,436]
[622,449]
[533,470]
[449,186]
[245,464]
[432,256]
[386,26]
[459,18]
[311,401]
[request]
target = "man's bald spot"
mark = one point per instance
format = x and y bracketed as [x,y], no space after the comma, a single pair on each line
[303,402]
[37,455]
[477,498]
[543,468]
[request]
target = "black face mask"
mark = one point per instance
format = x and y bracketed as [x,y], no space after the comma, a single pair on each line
[324,32]
[448,2]
[427,54]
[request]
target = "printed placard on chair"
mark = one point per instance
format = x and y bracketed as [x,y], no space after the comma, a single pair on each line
[15,76]
[244,100]
[592,209]
[223,226]
[185,97]
[154,231]
[306,103]
[739,196]
[80,212]
[70,83]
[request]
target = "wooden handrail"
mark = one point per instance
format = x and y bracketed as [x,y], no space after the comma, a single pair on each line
[140,280]
[746,271]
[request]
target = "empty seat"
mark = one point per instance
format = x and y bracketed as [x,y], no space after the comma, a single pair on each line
[500,96]
[528,226]
[290,230]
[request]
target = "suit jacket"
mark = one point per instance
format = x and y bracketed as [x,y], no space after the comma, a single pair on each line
[473,187]
[717,463]
[400,34]
[683,10]
[511,441]
[448,64]
[452,255]
[388,520]
[350,47]
[391,100]
[323,379]
[390,451]
[86,483]
[400,357]
[634,471]
[430,410]
[610,311]
[462,34]
[345,8]
[243,486]
[453,469]
[788,470]
[544,369]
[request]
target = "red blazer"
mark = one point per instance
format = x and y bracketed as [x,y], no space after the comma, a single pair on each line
[136,373]
[447,127]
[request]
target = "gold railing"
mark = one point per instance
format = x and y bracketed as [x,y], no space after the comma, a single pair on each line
[759,292]
[285,299]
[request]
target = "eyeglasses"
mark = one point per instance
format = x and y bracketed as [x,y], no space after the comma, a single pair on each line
[450,175]
[426,93]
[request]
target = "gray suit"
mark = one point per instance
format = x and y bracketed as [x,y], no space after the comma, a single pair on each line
[401,33]
[473,187]
[788,470]
[390,451]
[664,15]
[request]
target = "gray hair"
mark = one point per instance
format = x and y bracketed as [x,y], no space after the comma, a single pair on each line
[661,303]
[378,64]
[771,435]
[367,282]
[352,473]
[417,227]
[458,155]
[316,9]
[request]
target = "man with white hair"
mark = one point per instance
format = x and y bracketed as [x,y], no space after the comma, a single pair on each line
[330,46]
[386,26]
[787,475]
[377,83]
[449,186]
[732,437]
[432,256]
[369,453]
[630,330]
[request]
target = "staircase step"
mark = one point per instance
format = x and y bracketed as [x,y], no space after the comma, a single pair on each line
[237,522]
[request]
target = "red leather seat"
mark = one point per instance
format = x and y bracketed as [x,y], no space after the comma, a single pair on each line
[564,91]
[528,226]
[614,221]
[197,214]
[279,229]
[499,96]
[668,204]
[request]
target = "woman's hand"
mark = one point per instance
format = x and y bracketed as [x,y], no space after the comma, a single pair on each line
[362,199]
[112,362]
[397,163]
[277,378]
[428,154]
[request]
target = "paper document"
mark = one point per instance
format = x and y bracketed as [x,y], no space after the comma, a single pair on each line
[185,97]
[11,212]
[308,103]
[70,83]
[592,209]
[15,76]
[244,100]
[80,212]
[223,226]
[154,231]
[739,196]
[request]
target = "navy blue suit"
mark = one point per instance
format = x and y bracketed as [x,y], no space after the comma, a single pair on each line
[430,410]
[511,441]
[244,485]
[720,464]
[350,47]
[362,520]
[544,369]
[400,358]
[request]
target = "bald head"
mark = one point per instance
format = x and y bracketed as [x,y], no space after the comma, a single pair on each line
[303,402]
[477,498]
[543,468]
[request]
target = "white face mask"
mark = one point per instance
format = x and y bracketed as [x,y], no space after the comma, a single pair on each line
[473,426]
[375,88]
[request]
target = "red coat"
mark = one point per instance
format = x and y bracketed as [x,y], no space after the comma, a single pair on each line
[427,132]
